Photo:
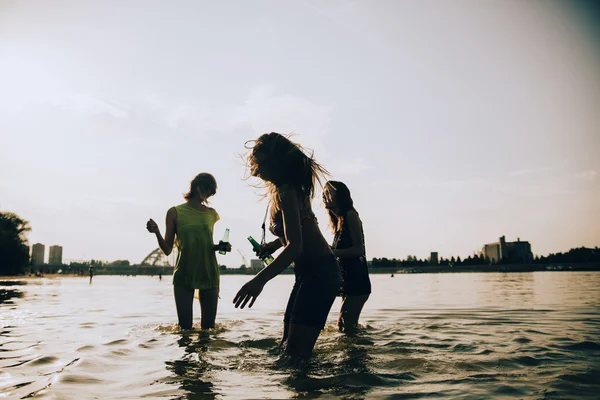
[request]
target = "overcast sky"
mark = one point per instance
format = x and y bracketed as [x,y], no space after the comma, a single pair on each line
[452,123]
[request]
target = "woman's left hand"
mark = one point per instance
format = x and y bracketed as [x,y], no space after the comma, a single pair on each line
[248,292]
[223,246]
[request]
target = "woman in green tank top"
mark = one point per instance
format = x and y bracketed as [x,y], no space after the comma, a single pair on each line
[196,267]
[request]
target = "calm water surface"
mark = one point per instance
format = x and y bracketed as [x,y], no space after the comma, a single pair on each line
[464,336]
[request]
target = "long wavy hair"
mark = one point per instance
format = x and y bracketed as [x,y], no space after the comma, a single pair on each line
[285,162]
[343,200]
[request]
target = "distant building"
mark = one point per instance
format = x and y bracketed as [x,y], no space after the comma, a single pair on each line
[492,252]
[515,252]
[55,255]
[433,259]
[256,265]
[37,254]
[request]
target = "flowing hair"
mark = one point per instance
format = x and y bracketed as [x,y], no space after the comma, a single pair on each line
[285,162]
[343,201]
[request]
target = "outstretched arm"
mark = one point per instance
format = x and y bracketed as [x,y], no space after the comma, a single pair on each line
[356,234]
[293,232]
[166,243]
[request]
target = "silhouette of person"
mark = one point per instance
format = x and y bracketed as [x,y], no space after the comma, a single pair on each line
[192,223]
[349,246]
[290,176]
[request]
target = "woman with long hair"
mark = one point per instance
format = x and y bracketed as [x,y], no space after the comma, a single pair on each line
[349,246]
[290,176]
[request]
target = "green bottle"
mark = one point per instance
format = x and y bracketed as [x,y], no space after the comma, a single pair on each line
[268,259]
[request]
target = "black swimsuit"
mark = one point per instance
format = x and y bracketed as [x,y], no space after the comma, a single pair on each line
[276,227]
[355,271]
[317,282]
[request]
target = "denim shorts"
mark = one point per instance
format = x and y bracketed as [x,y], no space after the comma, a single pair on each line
[315,289]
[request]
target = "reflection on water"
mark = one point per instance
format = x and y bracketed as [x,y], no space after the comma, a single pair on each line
[522,336]
[7,294]
[192,368]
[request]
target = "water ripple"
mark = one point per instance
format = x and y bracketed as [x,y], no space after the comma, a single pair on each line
[446,337]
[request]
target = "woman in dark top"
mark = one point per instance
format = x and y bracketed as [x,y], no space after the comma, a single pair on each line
[349,246]
[290,175]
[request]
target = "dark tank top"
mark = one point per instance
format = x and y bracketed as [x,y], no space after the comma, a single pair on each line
[355,271]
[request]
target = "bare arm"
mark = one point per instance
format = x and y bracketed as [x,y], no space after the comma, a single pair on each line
[292,228]
[293,234]
[357,249]
[166,243]
[270,248]
[275,244]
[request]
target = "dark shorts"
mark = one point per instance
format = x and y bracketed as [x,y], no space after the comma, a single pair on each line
[315,289]
[355,276]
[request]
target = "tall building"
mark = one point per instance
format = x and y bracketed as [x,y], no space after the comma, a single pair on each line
[492,252]
[55,255]
[256,265]
[433,259]
[514,252]
[37,254]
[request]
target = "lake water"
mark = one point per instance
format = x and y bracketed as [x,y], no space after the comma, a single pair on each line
[461,336]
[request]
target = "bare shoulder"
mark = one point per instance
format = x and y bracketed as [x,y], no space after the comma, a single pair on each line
[286,190]
[288,194]
[172,214]
[352,215]
[171,218]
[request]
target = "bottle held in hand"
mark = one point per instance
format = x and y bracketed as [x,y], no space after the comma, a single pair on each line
[268,259]
[224,241]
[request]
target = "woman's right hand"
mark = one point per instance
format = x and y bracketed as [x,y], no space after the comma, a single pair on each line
[152,226]
[248,293]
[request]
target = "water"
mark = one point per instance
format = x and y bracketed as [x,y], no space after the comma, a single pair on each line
[463,336]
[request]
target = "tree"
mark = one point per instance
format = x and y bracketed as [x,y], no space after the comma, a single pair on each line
[14,251]
[119,263]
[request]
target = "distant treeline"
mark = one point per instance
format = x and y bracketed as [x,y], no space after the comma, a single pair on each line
[124,267]
[413,261]
[99,268]
[14,252]
[577,255]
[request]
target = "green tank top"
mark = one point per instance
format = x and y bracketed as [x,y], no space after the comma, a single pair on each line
[196,266]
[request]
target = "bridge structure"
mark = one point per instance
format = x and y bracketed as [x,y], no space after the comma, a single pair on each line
[157,258]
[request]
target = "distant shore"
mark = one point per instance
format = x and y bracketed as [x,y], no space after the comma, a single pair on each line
[373,271]
[489,268]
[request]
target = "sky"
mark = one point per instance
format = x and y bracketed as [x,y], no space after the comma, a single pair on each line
[452,123]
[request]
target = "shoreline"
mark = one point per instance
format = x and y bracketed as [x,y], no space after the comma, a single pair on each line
[566,267]
[507,268]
